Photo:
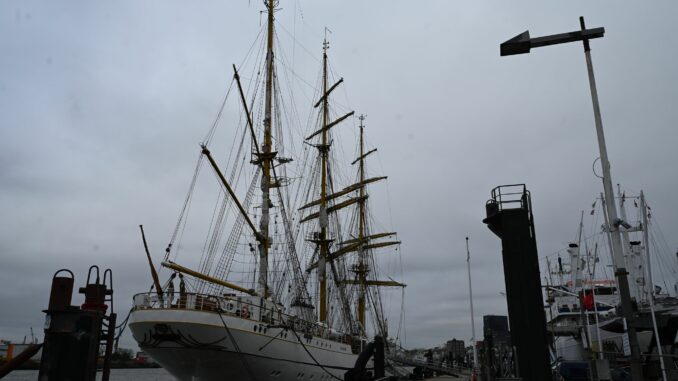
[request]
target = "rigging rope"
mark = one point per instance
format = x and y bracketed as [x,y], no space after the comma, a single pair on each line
[212,244]
[184,209]
[237,347]
[212,129]
[311,355]
[228,252]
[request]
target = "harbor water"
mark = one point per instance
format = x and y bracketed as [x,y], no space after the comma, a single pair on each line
[155,374]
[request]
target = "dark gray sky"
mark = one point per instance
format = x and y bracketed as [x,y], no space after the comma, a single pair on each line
[102,106]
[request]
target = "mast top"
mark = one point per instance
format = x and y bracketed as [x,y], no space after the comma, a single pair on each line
[326,42]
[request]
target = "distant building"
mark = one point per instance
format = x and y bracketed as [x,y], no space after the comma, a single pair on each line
[497,327]
[455,350]
[496,350]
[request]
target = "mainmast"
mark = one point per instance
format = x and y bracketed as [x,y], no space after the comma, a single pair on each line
[265,158]
[322,238]
[362,267]
[324,221]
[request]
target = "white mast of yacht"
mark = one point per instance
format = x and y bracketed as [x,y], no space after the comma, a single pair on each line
[613,220]
[646,240]
[470,293]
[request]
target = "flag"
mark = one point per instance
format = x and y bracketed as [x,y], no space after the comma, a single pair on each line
[588,301]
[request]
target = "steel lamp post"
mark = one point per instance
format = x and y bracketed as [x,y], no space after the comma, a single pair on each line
[522,44]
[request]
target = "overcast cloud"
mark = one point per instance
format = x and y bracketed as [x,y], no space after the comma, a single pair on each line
[102,105]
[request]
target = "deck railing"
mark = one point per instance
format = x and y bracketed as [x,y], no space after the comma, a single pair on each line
[228,305]
[239,306]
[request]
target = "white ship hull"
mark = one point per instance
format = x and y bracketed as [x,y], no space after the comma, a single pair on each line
[209,345]
[571,348]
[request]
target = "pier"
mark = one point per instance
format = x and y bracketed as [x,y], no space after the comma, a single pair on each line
[456,373]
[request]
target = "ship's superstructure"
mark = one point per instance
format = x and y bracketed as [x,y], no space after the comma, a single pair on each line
[583,300]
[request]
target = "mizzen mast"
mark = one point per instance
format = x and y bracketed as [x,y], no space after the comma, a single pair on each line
[363,242]
[265,158]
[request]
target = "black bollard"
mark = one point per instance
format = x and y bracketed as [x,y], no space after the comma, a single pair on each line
[73,335]
[379,357]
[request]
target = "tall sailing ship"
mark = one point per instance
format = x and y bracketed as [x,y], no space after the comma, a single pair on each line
[288,274]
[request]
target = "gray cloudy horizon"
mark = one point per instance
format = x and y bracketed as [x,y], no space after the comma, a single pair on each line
[102,106]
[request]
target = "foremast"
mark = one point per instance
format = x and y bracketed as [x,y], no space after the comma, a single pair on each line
[265,159]
[323,241]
